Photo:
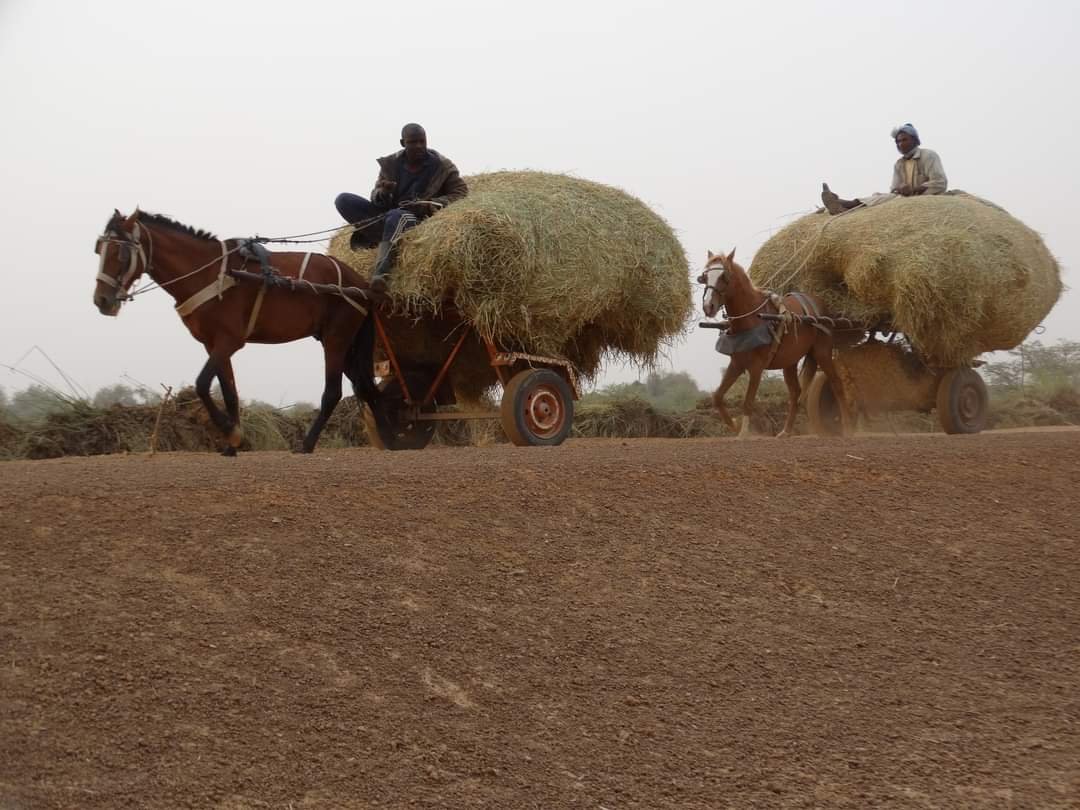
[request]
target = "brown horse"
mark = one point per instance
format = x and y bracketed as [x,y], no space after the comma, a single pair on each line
[755,344]
[223,315]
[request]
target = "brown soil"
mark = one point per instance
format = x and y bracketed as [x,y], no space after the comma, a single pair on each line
[884,621]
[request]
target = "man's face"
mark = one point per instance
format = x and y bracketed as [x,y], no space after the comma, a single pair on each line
[904,143]
[415,144]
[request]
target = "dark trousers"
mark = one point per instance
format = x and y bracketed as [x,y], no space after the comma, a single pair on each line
[354,208]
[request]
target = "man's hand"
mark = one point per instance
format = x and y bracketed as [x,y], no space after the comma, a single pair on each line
[384,192]
[905,190]
[421,208]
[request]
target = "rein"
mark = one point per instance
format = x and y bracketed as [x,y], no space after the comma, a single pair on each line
[298,238]
[712,288]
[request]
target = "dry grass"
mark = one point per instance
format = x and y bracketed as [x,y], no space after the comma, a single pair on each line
[542,263]
[955,274]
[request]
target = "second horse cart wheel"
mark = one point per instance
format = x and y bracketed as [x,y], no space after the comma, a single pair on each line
[962,401]
[395,430]
[537,408]
[822,408]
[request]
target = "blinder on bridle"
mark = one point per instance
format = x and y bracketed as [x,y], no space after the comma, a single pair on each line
[712,288]
[129,252]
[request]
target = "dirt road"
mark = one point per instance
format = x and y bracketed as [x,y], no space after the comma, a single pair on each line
[611,624]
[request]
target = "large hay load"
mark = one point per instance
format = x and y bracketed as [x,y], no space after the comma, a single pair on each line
[541,263]
[957,275]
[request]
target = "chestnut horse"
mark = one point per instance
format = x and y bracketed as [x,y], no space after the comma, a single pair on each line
[223,315]
[756,344]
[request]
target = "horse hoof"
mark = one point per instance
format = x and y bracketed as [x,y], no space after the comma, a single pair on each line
[783,434]
[229,452]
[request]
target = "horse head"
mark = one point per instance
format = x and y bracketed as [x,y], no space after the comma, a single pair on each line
[122,260]
[717,278]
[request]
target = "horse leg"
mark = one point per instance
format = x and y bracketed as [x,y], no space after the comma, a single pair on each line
[232,403]
[823,355]
[791,377]
[757,367]
[335,366]
[731,374]
[219,360]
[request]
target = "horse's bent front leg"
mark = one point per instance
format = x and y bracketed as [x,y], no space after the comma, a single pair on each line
[217,365]
[731,374]
[791,378]
[756,370]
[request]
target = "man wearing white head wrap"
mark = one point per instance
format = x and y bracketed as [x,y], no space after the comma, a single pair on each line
[918,171]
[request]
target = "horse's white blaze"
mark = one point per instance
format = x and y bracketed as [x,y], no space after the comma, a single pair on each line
[712,303]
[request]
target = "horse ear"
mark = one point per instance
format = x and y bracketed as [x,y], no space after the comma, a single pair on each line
[731,256]
[710,257]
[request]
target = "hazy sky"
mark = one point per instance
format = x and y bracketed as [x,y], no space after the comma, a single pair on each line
[245,118]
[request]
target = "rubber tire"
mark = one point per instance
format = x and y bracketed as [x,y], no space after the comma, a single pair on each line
[549,394]
[412,436]
[822,409]
[963,401]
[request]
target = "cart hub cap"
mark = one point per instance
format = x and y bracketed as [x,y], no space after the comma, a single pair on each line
[544,411]
[969,403]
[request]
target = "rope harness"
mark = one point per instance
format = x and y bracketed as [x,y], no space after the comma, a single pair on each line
[785,319]
[132,244]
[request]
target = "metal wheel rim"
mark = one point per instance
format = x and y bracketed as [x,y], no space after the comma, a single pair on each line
[544,412]
[968,403]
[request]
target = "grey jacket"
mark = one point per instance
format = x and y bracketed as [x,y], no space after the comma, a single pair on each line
[929,175]
[445,187]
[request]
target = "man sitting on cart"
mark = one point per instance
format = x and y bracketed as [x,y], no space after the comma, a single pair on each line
[413,184]
[918,171]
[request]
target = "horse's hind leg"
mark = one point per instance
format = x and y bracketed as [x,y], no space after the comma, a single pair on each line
[791,378]
[335,366]
[823,351]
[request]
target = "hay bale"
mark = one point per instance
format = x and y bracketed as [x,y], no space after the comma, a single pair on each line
[957,275]
[537,262]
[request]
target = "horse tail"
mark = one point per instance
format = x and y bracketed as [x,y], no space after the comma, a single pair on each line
[806,376]
[360,363]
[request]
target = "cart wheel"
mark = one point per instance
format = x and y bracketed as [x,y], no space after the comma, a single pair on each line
[395,431]
[962,401]
[822,408]
[537,408]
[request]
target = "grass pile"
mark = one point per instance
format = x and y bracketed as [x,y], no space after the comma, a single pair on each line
[542,263]
[80,429]
[957,275]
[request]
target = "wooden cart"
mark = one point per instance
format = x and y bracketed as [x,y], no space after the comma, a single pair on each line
[537,405]
[887,375]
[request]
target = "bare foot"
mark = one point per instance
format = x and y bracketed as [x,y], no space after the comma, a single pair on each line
[831,200]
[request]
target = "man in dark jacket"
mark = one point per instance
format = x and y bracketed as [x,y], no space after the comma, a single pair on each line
[413,184]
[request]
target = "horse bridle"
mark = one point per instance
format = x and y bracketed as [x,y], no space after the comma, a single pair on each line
[710,288]
[131,244]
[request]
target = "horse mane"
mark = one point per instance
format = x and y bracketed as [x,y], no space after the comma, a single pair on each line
[172,224]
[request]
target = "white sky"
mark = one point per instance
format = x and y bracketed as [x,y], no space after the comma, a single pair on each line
[245,118]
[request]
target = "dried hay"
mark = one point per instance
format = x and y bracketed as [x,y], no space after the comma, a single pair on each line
[542,263]
[957,275]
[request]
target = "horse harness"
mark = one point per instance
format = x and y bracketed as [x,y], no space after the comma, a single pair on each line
[133,247]
[769,333]
[249,249]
